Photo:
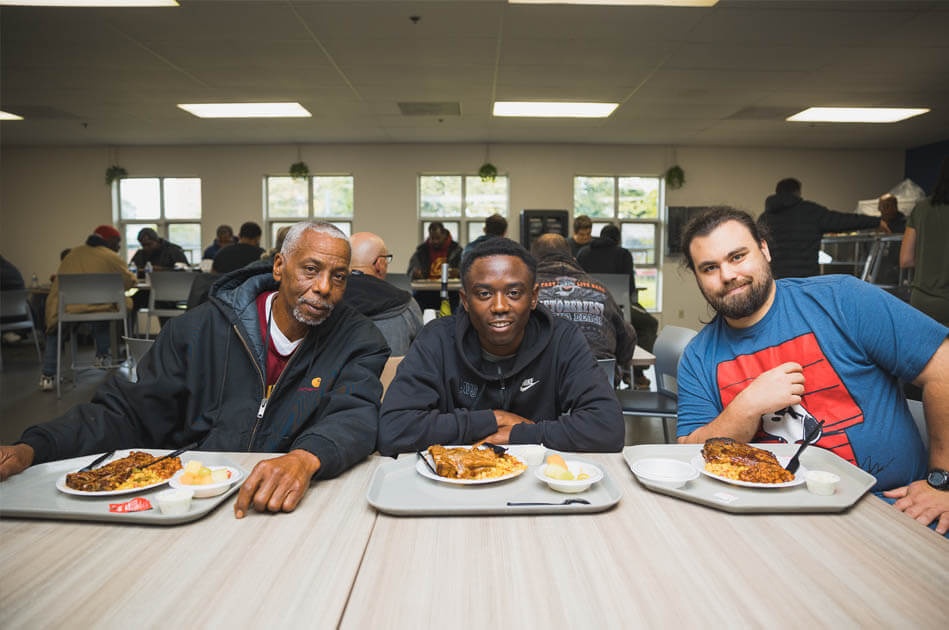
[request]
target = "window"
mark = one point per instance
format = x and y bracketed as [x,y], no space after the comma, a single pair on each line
[169,205]
[461,203]
[316,198]
[635,204]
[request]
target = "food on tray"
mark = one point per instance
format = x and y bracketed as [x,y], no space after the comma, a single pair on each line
[473,463]
[196,474]
[733,460]
[557,468]
[124,474]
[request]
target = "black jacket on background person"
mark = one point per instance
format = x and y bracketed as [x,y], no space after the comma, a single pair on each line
[571,293]
[394,312]
[604,255]
[445,391]
[165,256]
[203,381]
[796,227]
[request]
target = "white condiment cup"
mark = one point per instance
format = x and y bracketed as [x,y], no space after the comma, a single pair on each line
[530,454]
[174,501]
[821,482]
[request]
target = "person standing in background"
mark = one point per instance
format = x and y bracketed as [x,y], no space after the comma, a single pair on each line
[924,249]
[797,225]
[582,234]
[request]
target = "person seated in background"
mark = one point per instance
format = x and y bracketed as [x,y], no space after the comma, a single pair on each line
[225,237]
[437,249]
[504,369]
[394,312]
[273,363]
[780,356]
[246,251]
[605,255]
[890,213]
[268,257]
[571,293]
[99,254]
[797,225]
[157,251]
[495,226]
[582,234]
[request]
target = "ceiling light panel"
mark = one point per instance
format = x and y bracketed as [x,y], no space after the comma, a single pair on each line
[626,3]
[856,114]
[90,3]
[542,109]
[9,116]
[246,110]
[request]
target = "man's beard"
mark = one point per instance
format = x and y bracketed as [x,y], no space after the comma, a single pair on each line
[745,304]
[300,315]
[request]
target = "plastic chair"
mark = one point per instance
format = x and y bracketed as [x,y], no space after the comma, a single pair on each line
[609,368]
[618,286]
[137,349]
[167,286]
[400,280]
[662,403]
[16,303]
[87,288]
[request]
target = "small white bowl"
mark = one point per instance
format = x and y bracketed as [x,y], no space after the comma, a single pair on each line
[668,473]
[174,501]
[530,454]
[210,489]
[821,482]
[571,486]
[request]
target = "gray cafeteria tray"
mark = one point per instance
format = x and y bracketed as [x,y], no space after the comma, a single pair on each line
[397,488]
[854,482]
[33,494]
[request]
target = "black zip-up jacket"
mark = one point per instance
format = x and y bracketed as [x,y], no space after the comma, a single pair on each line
[796,227]
[203,381]
[445,393]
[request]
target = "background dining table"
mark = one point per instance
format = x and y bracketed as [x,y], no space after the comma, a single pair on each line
[651,561]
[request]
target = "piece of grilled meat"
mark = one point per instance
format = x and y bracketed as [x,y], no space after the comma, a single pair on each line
[109,476]
[735,460]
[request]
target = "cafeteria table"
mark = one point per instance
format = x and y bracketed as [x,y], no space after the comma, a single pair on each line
[651,561]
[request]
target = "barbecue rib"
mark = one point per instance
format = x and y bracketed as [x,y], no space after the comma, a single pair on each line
[728,458]
[114,474]
[472,463]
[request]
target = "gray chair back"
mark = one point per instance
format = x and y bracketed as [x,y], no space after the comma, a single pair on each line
[170,286]
[618,286]
[400,280]
[15,303]
[91,288]
[137,349]
[670,344]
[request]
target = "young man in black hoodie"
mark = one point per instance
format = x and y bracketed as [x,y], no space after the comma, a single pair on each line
[504,369]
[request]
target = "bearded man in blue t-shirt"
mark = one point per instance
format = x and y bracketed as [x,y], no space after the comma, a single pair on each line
[781,355]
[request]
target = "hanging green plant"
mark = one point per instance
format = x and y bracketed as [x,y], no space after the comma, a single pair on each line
[299,170]
[488,172]
[675,177]
[113,173]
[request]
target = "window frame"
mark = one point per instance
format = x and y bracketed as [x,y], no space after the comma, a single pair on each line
[658,223]
[269,222]
[462,219]
[162,223]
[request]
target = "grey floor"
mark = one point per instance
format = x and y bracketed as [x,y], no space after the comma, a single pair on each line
[23,404]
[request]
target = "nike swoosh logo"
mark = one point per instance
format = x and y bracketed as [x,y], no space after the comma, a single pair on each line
[526,385]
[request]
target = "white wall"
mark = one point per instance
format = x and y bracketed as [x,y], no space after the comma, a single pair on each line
[52,198]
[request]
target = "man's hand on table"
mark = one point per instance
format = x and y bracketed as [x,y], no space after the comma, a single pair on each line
[278,484]
[506,421]
[924,503]
[14,459]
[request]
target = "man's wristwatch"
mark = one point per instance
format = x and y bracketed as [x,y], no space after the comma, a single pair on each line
[938,479]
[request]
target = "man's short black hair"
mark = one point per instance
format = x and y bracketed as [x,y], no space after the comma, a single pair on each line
[495,225]
[610,232]
[788,185]
[703,224]
[436,226]
[250,230]
[148,234]
[497,247]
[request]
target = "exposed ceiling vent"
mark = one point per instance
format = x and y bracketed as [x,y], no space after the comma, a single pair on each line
[39,112]
[430,109]
[763,113]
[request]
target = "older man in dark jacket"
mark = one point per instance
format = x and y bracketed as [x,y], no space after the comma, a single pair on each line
[272,363]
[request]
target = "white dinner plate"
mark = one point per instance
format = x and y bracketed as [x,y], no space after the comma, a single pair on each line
[426,472]
[62,487]
[698,462]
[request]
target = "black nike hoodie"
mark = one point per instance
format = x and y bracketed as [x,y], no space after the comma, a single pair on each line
[444,391]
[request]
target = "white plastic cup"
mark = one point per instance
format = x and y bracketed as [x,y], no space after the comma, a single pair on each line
[821,482]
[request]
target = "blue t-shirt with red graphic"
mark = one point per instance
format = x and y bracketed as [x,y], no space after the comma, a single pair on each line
[855,343]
